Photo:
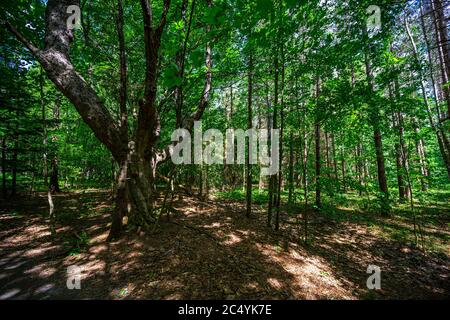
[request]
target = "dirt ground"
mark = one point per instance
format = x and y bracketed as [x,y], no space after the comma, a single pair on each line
[208,250]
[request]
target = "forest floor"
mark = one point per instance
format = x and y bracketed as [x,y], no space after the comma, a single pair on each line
[210,250]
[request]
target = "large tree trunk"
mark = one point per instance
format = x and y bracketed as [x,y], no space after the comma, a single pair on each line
[121,202]
[56,62]
[138,158]
[141,192]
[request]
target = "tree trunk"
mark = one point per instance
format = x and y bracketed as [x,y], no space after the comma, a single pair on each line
[318,165]
[291,168]
[15,164]
[248,167]
[44,124]
[139,156]
[403,149]
[441,136]
[280,157]
[4,190]
[420,149]
[359,167]
[327,152]
[442,45]
[333,147]
[381,171]
[343,170]
[398,162]
[54,183]
[273,178]
[180,60]
[121,192]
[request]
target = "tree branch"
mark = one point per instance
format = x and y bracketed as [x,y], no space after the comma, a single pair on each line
[163,20]
[34,50]
[164,154]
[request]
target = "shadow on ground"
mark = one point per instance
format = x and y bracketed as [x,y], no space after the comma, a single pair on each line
[208,250]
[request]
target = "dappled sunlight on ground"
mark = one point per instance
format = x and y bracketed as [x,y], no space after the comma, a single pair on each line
[207,250]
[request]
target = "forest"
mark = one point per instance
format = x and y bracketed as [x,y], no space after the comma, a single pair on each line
[110,111]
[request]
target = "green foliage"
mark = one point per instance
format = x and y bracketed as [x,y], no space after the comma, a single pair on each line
[75,244]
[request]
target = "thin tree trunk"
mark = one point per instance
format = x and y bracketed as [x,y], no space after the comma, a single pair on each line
[333,148]
[279,182]
[382,181]
[318,165]
[359,166]
[44,124]
[54,182]
[404,152]
[273,178]
[398,162]
[249,126]
[343,165]
[14,161]
[4,190]
[180,61]
[420,149]
[442,45]
[443,143]
[327,153]
[291,168]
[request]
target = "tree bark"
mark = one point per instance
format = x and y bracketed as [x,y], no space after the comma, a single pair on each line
[343,170]
[4,190]
[121,202]
[249,126]
[273,178]
[54,182]
[381,171]
[318,165]
[44,124]
[442,45]
[280,157]
[420,149]
[291,168]
[14,160]
[443,143]
[318,159]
